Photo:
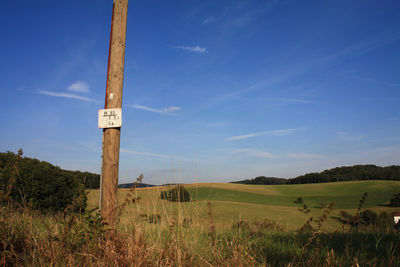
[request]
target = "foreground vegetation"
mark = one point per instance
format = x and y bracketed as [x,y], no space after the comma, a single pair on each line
[330,224]
[32,238]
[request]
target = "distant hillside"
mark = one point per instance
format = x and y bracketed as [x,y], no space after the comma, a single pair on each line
[339,174]
[40,184]
[7,159]
[89,179]
[262,180]
[140,185]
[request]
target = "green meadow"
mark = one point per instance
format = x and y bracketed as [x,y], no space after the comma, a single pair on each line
[223,225]
[345,194]
[231,203]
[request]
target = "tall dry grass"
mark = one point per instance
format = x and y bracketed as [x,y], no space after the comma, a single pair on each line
[161,233]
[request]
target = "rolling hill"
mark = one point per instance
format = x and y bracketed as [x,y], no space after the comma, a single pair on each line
[233,202]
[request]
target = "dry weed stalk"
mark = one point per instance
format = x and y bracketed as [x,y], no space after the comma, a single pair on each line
[316,232]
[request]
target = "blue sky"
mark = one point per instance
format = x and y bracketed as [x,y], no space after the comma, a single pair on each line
[213,91]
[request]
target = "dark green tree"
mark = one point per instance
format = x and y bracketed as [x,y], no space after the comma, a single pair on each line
[178,194]
[163,195]
[395,201]
[39,184]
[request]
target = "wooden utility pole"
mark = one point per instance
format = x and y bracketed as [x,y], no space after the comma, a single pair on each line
[111,136]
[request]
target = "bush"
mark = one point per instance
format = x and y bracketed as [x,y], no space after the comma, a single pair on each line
[154,218]
[241,225]
[384,222]
[178,194]
[368,217]
[299,200]
[268,225]
[395,201]
[368,221]
[163,195]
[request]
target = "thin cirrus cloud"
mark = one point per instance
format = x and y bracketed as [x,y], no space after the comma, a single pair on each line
[209,20]
[79,86]
[345,136]
[154,155]
[144,153]
[346,53]
[281,132]
[264,154]
[303,156]
[196,49]
[254,153]
[164,111]
[68,95]
[291,100]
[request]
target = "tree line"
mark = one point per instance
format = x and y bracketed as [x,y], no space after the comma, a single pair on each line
[41,185]
[338,174]
[88,179]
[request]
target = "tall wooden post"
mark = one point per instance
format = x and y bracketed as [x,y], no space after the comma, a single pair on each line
[111,136]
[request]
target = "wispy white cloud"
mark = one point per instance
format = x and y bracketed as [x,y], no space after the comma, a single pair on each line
[164,111]
[349,137]
[209,20]
[279,100]
[303,156]
[238,151]
[354,50]
[68,95]
[79,86]
[254,153]
[362,47]
[242,13]
[217,124]
[242,19]
[291,100]
[366,79]
[196,49]
[144,153]
[281,132]
[171,109]
[154,155]
[264,154]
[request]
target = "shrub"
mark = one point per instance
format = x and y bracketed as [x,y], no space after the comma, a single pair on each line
[241,225]
[178,194]
[307,227]
[368,221]
[268,225]
[368,217]
[155,218]
[384,222]
[395,201]
[163,195]
[299,200]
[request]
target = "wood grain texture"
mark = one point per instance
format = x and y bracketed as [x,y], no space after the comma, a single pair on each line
[111,141]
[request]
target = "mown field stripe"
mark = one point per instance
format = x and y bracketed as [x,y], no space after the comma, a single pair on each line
[346,199]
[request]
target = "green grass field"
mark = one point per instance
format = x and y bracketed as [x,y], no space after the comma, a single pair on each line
[345,194]
[155,232]
[234,202]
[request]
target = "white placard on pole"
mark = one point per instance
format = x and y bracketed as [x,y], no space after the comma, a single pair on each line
[110,118]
